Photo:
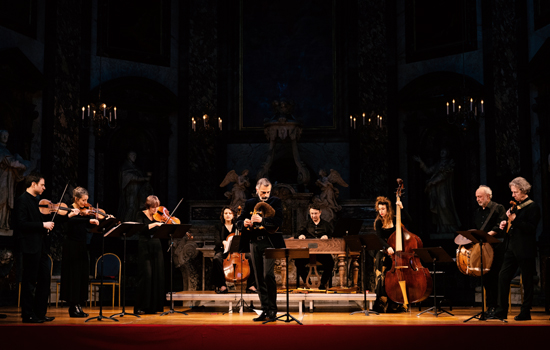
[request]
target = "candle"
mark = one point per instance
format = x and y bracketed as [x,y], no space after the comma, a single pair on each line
[94,115]
[380,121]
[453,106]
[88,111]
[220,123]
[447,108]
[363,118]
[350,121]
[459,108]
[204,119]
[481,106]
[194,125]
[471,102]
[104,110]
[83,113]
[475,111]
[115,112]
[109,116]
[354,123]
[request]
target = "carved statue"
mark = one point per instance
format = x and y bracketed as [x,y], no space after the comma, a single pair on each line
[237,194]
[134,189]
[12,170]
[440,191]
[329,193]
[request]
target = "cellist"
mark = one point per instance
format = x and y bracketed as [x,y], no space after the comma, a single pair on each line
[224,229]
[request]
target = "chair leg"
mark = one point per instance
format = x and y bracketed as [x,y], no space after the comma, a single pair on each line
[19,297]
[113,295]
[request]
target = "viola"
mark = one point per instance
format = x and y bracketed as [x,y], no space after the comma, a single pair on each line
[163,215]
[407,281]
[236,267]
[88,210]
[47,207]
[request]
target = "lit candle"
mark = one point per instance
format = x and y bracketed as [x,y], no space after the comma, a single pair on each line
[453,106]
[481,106]
[354,123]
[363,118]
[104,110]
[204,119]
[83,113]
[380,121]
[88,111]
[471,102]
[115,112]
[94,114]
[369,121]
[220,123]
[447,108]
[350,120]
[459,108]
[194,125]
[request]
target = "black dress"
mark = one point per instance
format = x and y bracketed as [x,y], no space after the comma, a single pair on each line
[75,264]
[150,290]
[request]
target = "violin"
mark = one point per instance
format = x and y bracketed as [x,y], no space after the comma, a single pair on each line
[236,262]
[47,207]
[88,210]
[163,215]
[407,281]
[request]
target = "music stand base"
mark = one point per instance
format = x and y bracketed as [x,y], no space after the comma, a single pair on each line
[366,312]
[483,317]
[172,311]
[101,317]
[289,318]
[438,311]
[123,313]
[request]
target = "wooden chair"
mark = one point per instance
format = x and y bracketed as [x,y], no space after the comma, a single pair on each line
[111,275]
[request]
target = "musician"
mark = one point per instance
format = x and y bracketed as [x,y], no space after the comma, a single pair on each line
[487,217]
[75,266]
[257,240]
[150,288]
[31,232]
[226,228]
[520,249]
[384,225]
[316,227]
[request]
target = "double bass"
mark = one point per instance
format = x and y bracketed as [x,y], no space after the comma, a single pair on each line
[236,267]
[407,281]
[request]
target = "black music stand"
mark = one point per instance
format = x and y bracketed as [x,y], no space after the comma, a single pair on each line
[434,255]
[125,230]
[234,248]
[362,243]
[102,228]
[171,232]
[286,253]
[480,237]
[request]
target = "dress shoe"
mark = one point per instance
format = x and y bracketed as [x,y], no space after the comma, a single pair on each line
[261,318]
[80,311]
[47,319]
[523,316]
[497,315]
[225,291]
[139,312]
[73,312]
[271,316]
[248,290]
[32,319]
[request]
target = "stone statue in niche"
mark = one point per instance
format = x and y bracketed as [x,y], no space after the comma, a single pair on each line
[134,188]
[237,195]
[329,193]
[12,170]
[439,188]
[282,109]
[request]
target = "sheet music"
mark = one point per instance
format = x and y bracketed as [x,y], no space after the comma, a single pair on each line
[227,244]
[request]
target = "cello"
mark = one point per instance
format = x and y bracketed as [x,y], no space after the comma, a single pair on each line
[407,281]
[235,262]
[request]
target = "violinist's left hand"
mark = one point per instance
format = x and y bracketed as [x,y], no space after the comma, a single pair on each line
[74,212]
[94,221]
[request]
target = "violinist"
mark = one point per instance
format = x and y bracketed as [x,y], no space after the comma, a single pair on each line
[227,226]
[150,289]
[75,266]
[520,249]
[30,231]
[316,227]
[384,225]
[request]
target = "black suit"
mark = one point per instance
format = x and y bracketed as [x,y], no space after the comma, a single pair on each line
[28,224]
[257,241]
[520,248]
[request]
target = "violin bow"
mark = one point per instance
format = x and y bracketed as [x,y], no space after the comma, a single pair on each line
[173,211]
[63,195]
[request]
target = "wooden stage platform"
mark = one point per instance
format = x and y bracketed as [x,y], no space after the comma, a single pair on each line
[329,326]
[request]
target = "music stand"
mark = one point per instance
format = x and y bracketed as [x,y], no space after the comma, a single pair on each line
[286,253]
[171,232]
[234,248]
[434,255]
[362,243]
[126,229]
[102,228]
[480,237]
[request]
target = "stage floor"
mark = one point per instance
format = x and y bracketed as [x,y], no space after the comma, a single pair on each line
[215,314]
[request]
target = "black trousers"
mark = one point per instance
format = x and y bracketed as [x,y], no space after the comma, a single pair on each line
[507,273]
[327,265]
[490,279]
[265,276]
[35,285]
